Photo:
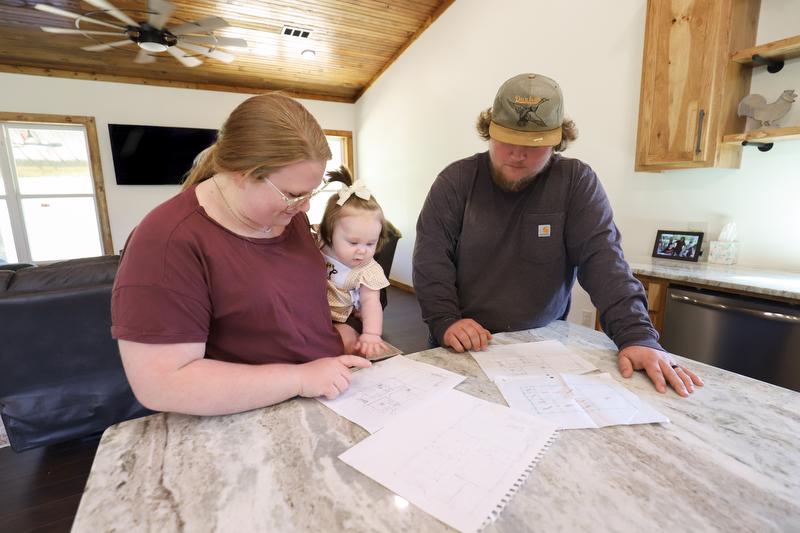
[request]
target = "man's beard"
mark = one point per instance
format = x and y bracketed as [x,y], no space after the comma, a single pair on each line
[508,185]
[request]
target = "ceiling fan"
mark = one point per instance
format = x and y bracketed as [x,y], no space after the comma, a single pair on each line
[152,36]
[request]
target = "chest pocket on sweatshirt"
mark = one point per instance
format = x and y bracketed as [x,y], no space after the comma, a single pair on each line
[542,237]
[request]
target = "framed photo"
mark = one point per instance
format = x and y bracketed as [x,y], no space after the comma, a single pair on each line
[681,245]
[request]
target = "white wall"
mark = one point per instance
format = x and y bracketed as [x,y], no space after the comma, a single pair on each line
[419,116]
[134,104]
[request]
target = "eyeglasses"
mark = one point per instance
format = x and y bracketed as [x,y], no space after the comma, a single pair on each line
[292,203]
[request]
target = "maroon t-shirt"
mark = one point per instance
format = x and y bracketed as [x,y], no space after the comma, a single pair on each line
[185,278]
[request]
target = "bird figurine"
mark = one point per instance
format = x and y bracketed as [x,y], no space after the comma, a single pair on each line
[756,107]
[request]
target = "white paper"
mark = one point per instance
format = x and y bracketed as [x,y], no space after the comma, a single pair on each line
[546,396]
[387,388]
[457,457]
[573,402]
[507,361]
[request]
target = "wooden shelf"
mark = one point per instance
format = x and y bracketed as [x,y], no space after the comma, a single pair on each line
[781,50]
[765,135]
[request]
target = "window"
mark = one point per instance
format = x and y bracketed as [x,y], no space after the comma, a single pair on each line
[52,204]
[341,143]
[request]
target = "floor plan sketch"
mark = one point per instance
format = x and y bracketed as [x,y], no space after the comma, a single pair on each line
[508,361]
[456,457]
[388,388]
[578,401]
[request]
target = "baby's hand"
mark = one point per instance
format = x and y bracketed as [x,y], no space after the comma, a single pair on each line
[370,345]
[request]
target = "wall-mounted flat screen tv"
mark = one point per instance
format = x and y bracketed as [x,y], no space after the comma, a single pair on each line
[155,155]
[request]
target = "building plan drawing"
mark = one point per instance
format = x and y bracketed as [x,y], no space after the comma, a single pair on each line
[573,401]
[389,387]
[507,361]
[456,457]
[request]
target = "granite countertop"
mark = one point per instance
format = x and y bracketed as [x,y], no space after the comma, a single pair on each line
[760,281]
[728,461]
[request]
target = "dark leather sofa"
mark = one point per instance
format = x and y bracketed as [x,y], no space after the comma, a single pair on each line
[61,376]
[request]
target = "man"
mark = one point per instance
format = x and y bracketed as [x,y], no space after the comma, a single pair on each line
[503,234]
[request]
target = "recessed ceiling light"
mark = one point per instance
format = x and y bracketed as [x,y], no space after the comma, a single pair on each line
[308,53]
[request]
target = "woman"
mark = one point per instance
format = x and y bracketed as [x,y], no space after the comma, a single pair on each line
[219,304]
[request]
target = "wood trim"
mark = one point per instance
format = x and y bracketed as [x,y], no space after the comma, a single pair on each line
[95,76]
[349,154]
[736,81]
[339,133]
[99,186]
[402,286]
[94,160]
[425,25]
[348,147]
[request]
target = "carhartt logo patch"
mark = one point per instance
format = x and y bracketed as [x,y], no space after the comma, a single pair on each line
[544,230]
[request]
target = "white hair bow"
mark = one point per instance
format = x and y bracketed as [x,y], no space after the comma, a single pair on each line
[358,188]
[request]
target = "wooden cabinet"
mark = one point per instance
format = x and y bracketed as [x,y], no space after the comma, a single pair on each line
[690,88]
[656,291]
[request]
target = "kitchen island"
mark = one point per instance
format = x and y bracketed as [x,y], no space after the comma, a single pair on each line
[728,461]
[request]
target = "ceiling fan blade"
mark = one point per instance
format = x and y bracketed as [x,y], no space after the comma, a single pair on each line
[113,11]
[160,12]
[219,55]
[215,41]
[143,57]
[202,25]
[50,29]
[108,46]
[181,56]
[57,11]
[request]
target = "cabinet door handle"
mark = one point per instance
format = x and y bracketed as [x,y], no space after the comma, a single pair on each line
[700,116]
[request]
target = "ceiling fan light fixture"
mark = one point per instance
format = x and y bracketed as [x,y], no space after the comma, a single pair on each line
[308,53]
[152,47]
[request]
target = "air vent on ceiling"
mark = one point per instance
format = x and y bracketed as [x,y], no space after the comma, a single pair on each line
[291,31]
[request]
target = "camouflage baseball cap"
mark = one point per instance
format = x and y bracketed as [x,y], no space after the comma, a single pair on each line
[528,110]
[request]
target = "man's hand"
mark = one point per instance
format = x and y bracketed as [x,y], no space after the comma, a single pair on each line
[328,376]
[466,334]
[658,365]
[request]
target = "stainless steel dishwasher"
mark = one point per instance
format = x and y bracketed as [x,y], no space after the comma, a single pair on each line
[749,336]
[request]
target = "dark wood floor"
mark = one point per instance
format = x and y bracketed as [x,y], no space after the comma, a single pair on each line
[40,489]
[402,322]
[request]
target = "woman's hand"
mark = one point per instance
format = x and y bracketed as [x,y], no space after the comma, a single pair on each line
[370,345]
[329,376]
[658,365]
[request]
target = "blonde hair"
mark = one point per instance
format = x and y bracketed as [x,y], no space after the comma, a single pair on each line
[569,132]
[333,211]
[263,134]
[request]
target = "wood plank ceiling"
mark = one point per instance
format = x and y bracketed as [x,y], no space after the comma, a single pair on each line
[354,42]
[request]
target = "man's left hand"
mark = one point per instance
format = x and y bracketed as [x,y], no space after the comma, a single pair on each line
[660,367]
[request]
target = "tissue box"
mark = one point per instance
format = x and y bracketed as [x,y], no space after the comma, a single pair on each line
[723,252]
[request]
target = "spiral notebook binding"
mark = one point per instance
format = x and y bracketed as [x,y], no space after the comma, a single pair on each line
[495,513]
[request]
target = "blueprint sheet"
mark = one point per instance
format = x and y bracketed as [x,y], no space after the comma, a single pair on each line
[378,393]
[457,457]
[574,402]
[504,361]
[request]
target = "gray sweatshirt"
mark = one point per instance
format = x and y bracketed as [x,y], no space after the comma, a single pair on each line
[508,260]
